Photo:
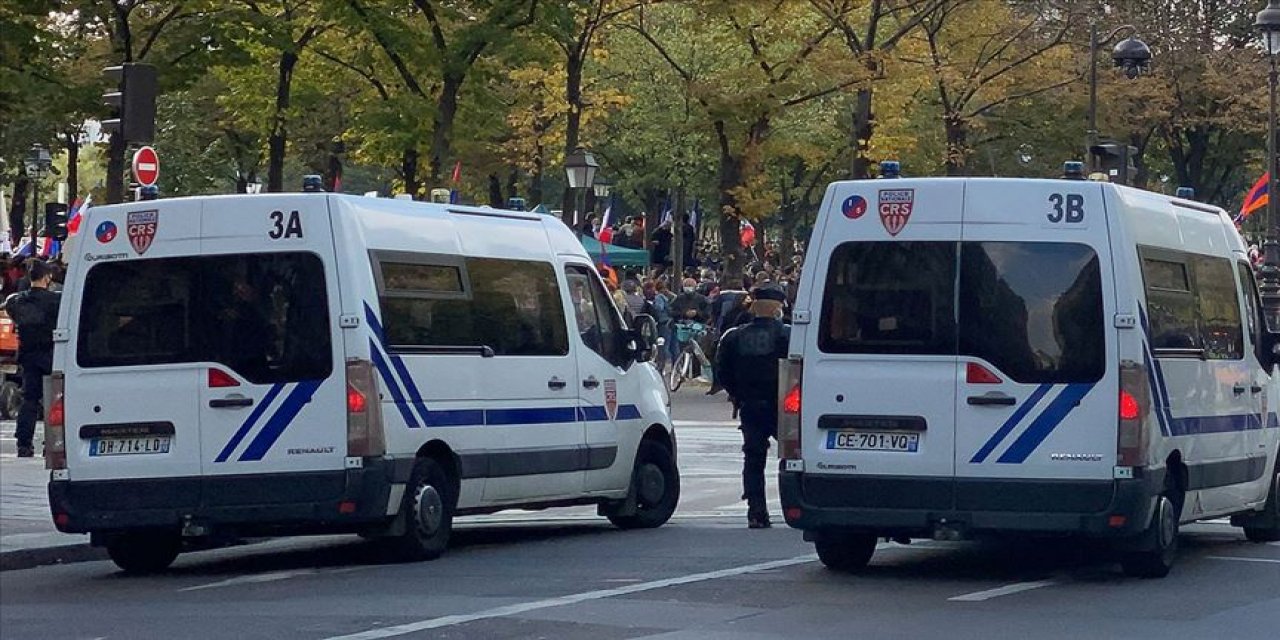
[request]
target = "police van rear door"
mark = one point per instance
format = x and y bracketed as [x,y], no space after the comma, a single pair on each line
[1037,393]
[273,394]
[879,378]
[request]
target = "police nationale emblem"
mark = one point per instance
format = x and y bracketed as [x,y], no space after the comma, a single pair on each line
[611,398]
[895,208]
[141,227]
[106,232]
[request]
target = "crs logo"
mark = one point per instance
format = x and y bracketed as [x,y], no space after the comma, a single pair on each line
[106,232]
[896,206]
[854,207]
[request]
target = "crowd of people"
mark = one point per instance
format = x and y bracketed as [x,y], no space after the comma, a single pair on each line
[13,272]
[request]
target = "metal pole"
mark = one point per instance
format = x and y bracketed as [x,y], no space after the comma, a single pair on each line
[1091,137]
[1270,288]
[35,216]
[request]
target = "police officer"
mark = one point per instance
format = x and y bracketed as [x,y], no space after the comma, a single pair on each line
[747,367]
[35,311]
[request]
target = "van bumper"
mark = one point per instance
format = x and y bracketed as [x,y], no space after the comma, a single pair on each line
[242,504]
[919,507]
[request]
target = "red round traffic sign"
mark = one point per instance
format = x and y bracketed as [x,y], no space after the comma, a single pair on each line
[146,166]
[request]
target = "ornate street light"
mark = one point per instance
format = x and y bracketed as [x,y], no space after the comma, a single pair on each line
[580,167]
[1131,55]
[602,187]
[1268,24]
[37,165]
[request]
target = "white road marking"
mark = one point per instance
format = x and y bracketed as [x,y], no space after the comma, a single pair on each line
[1274,544]
[1237,559]
[253,579]
[704,423]
[1017,587]
[514,609]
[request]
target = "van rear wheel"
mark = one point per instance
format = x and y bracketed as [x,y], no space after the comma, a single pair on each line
[655,480]
[428,513]
[846,553]
[1265,527]
[143,552]
[1160,550]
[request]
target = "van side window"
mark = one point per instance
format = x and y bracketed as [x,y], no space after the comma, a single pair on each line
[890,298]
[596,315]
[1034,310]
[1219,303]
[1173,313]
[510,306]
[1253,314]
[265,316]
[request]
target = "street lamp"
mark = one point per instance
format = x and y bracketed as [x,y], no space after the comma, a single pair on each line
[1268,24]
[602,187]
[37,165]
[580,167]
[1131,55]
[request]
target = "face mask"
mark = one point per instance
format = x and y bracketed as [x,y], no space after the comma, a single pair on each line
[689,289]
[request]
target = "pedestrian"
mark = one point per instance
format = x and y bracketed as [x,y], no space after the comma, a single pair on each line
[633,298]
[35,311]
[747,367]
[690,241]
[662,245]
[588,226]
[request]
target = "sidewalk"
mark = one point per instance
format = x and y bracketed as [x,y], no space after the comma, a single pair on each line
[27,535]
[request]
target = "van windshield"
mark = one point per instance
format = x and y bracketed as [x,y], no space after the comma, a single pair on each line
[1032,309]
[265,316]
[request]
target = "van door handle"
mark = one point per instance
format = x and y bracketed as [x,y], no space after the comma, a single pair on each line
[1257,388]
[591,383]
[557,383]
[229,403]
[993,399]
[1238,389]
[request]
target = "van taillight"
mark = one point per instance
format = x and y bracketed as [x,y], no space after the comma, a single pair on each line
[789,404]
[219,379]
[55,424]
[365,437]
[1134,405]
[977,374]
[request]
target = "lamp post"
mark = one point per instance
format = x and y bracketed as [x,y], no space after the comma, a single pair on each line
[1268,24]
[601,187]
[37,166]
[1131,55]
[580,168]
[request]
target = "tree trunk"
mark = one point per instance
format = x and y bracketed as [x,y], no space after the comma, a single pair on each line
[495,192]
[863,129]
[72,142]
[115,169]
[18,209]
[409,172]
[957,145]
[441,137]
[333,171]
[276,142]
[535,179]
[573,120]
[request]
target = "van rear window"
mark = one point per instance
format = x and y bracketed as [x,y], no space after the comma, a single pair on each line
[265,316]
[1034,310]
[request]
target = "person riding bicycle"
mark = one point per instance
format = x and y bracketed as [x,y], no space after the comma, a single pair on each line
[691,306]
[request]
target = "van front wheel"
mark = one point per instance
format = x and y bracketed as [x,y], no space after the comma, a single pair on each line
[846,553]
[143,552]
[655,481]
[428,513]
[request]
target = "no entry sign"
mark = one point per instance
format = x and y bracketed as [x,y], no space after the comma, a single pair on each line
[146,166]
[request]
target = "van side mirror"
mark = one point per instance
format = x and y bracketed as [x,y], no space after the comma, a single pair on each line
[642,337]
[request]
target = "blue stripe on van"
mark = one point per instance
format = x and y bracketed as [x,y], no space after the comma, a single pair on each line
[1010,424]
[526,416]
[1156,391]
[280,420]
[406,379]
[249,422]
[1042,426]
[392,386]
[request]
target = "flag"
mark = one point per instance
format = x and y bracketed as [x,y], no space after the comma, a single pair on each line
[608,217]
[457,172]
[747,233]
[75,215]
[50,248]
[1257,198]
[666,215]
[696,217]
[26,248]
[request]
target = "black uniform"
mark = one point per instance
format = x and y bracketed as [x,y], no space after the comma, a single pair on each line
[35,311]
[747,367]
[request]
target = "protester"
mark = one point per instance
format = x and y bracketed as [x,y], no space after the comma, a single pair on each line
[588,226]
[661,243]
[35,312]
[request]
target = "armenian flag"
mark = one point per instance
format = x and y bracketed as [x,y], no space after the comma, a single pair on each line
[1257,198]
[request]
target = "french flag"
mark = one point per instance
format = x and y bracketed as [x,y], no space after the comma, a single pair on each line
[76,214]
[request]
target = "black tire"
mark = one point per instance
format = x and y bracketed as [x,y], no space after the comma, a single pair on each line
[675,377]
[1270,514]
[10,400]
[429,501]
[143,552]
[656,483]
[1160,542]
[846,553]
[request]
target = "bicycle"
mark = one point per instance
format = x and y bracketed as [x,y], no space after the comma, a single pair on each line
[687,335]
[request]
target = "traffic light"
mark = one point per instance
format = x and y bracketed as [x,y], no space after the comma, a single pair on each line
[55,220]
[1115,160]
[133,103]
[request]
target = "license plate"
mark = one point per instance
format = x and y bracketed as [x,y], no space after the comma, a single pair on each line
[129,446]
[873,441]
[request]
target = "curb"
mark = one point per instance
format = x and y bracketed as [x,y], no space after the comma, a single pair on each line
[41,556]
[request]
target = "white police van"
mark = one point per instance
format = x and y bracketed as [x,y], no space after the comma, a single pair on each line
[304,363]
[1039,356]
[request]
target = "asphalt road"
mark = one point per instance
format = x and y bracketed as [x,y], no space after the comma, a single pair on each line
[568,575]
